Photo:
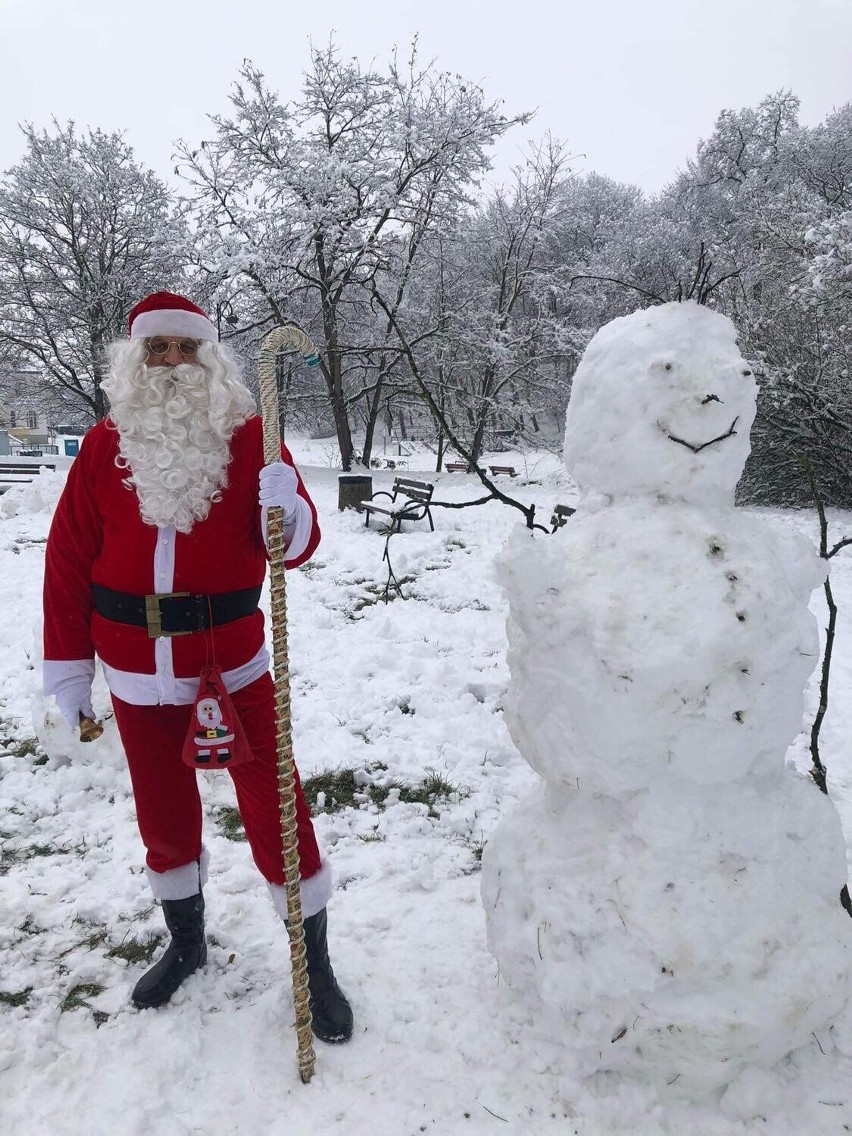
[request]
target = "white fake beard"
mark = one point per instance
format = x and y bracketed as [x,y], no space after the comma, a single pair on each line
[175,426]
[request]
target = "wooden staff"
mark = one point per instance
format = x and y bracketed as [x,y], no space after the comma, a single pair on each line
[282,338]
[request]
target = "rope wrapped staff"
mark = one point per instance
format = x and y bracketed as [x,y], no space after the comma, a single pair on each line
[294,339]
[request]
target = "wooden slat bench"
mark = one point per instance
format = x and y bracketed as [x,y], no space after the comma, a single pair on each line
[409,501]
[455,467]
[498,469]
[20,471]
[561,513]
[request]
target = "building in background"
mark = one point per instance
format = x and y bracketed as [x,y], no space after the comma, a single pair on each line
[33,419]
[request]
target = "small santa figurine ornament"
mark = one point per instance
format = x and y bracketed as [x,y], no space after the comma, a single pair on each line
[215,729]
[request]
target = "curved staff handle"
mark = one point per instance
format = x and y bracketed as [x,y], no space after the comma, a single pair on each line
[278,339]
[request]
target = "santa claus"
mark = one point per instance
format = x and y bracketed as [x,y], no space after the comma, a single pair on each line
[154,564]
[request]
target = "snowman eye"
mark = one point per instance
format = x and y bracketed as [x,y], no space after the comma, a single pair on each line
[746,373]
[710,398]
[668,366]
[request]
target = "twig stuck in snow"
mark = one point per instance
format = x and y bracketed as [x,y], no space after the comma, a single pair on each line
[818,771]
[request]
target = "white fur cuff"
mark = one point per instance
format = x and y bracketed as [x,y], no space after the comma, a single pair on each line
[316,892]
[182,882]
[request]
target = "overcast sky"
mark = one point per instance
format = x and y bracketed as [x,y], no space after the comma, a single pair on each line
[630,85]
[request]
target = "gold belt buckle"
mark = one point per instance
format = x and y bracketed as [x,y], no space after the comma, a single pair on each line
[154,614]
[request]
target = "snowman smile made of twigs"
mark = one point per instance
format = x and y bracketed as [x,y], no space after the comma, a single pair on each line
[696,449]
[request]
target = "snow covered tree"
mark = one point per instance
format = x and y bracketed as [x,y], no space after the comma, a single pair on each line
[84,233]
[751,227]
[301,200]
[479,331]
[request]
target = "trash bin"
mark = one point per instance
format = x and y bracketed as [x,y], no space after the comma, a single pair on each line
[352,489]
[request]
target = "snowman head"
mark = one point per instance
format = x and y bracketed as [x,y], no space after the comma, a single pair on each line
[661,405]
[209,713]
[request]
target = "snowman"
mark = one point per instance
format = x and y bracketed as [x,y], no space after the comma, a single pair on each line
[666,900]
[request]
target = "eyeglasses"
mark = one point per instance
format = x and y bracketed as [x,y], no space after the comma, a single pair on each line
[159,345]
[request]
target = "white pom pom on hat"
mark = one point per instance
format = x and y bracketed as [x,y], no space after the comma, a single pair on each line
[165,313]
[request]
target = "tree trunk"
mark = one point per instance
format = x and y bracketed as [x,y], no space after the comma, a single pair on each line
[334,381]
[99,400]
[373,408]
[483,413]
[441,439]
[341,421]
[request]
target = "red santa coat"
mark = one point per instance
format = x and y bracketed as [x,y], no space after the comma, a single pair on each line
[98,536]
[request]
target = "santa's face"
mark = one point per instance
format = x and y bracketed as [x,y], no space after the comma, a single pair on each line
[662,405]
[208,713]
[164,351]
[175,415]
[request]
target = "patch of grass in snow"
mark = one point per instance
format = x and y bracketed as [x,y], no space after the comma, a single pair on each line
[335,789]
[30,928]
[312,567]
[476,846]
[97,935]
[437,785]
[10,856]
[377,593]
[15,998]
[27,747]
[137,950]
[131,950]
[18,747]
[332,790]
[76,998]
[229,820]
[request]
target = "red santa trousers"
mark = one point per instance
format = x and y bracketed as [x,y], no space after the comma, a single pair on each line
[168,805]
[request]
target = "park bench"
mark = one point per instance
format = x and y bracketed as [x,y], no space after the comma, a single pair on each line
[455,467]
[498,469]
[409,501]
[20,471]
[561,513]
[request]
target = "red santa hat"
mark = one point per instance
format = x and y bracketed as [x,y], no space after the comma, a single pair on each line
[164,313]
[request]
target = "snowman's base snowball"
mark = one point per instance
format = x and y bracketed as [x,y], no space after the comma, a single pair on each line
[688,932]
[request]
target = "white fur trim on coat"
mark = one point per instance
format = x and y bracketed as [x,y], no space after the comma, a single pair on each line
[163,689]
[316,892]
[182,882]
[58,674]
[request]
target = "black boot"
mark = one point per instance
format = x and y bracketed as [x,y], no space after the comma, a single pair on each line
[332,1014]
[185,954]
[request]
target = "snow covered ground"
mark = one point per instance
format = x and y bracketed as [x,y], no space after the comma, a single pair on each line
[408,694]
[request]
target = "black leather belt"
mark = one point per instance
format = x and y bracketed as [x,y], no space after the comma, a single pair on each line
[174,613]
